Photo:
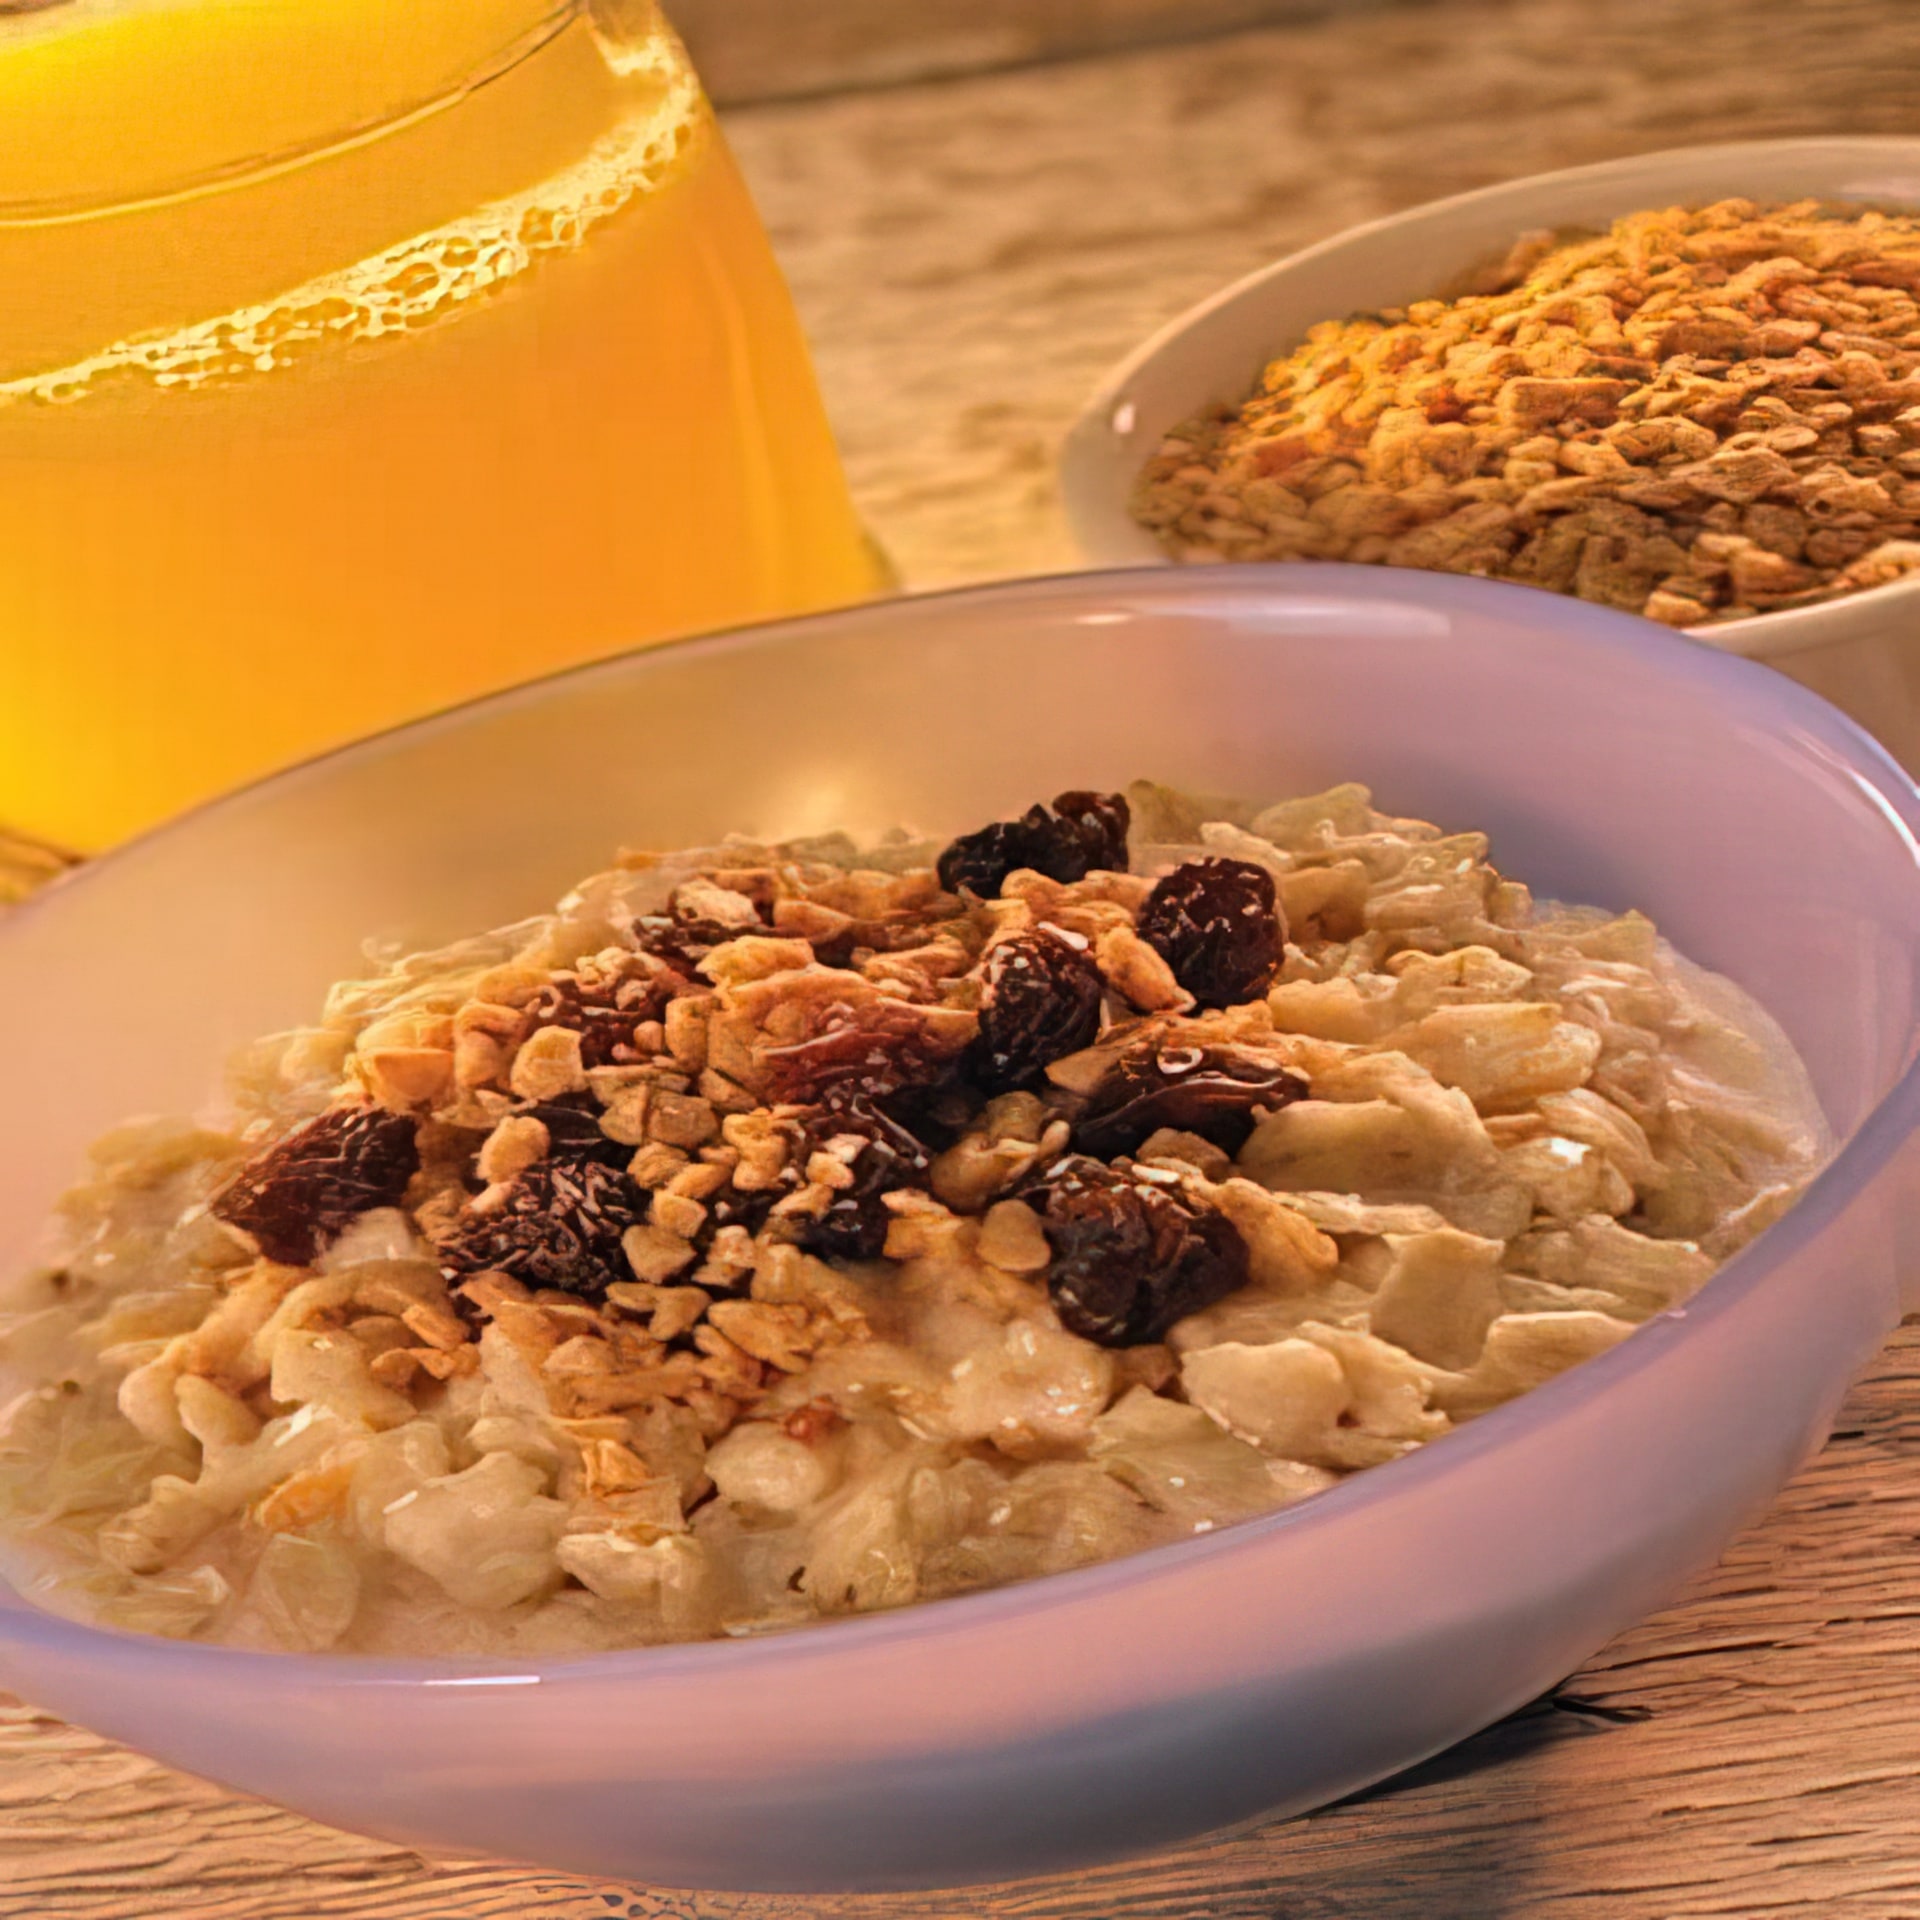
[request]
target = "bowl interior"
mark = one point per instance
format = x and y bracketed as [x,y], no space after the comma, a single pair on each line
[1214,354]
[1610,762]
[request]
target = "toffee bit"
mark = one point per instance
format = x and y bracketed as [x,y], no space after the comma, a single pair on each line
[1133,1251]
[305,1190]
[1085,832]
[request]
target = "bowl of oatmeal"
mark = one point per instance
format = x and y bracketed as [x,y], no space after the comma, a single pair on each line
[807,1363]
[1682,384]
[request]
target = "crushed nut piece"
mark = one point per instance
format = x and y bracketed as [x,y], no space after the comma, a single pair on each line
[654,1254]
[1012,1240]
[513,1146]
[656,1165]
[682,1120]
[677,1214]
[548,1065]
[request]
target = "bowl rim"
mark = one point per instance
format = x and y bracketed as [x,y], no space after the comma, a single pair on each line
[1086,450]
[1786,710]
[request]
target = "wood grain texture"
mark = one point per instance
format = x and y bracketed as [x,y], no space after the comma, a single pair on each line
[969,256]
[1749,1751]
[770,49]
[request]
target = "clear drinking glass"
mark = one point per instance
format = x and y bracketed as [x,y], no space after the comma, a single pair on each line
[357,356]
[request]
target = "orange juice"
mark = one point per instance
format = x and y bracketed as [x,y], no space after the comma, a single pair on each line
[357,356]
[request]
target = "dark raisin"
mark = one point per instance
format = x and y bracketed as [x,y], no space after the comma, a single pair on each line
[1212,1091]
[1102,820]
[1084,832]
[1041,1001]
[854,1226]
[1133,1252]
[558,1226]
[603,1010]
[837,950]
[978,862]
[306,1189]
[873,1049]
[572,1121]
[732,1208]
[682,944]
[1217,924]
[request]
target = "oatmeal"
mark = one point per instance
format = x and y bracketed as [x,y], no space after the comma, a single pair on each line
[1699,415]
[775,1232]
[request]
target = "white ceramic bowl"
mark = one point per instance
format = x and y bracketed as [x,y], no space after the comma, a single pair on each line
[1265,1668]
[1862,651]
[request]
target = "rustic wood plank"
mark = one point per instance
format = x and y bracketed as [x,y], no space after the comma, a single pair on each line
[773,49]
[1748,1750]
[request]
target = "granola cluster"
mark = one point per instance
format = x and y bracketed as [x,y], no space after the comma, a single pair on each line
[1700,415]
[780,1231]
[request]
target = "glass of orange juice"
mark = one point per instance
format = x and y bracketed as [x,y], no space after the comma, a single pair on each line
[357,356]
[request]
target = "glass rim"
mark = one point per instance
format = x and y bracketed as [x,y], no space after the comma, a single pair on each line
[245,169]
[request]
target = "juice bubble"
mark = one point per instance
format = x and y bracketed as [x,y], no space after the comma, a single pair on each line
[423,281]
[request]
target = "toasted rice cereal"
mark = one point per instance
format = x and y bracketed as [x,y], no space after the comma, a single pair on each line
[1699,415]
[775,1232]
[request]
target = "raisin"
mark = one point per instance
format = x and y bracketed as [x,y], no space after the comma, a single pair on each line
[1084,832]
[978,862]
[682,944]
[572,1121]
[1133,1252]
[732,1208]
[872,1050]
[1217,924]
[1212,1091]
[602,1011]
[559,1226]
[306,1189]
[1041,1002]
[1102,820]
[854,1226]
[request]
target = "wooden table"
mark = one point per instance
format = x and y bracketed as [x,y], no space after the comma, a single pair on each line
[969,254]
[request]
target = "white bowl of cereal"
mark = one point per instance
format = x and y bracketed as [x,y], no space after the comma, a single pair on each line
[1740,459]
[460,1407]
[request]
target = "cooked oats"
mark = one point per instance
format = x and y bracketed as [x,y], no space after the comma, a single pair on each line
[1062,1218]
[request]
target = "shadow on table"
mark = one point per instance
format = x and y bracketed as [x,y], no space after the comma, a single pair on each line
[1406,1849]
[1542,1723]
